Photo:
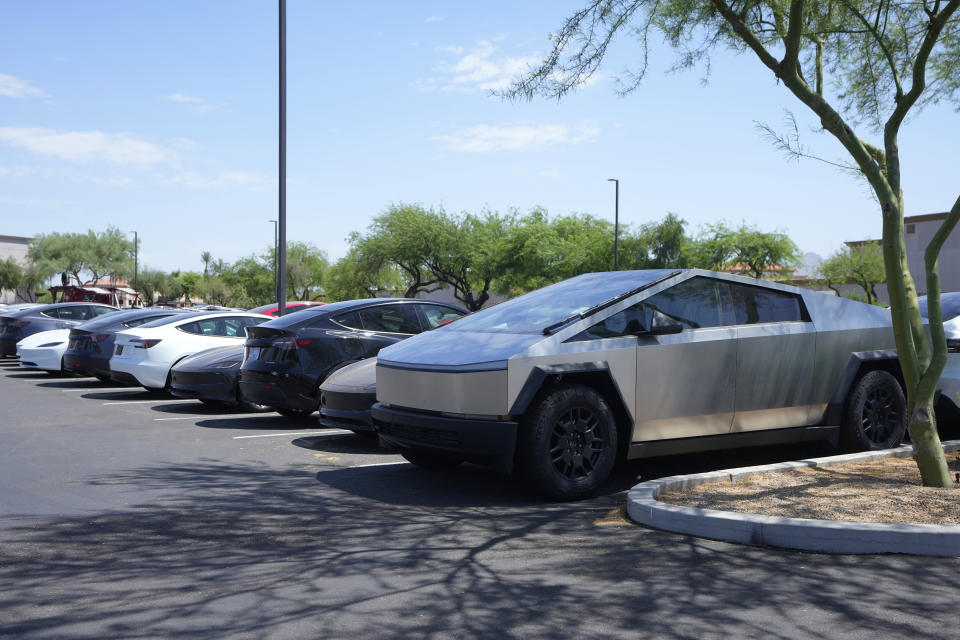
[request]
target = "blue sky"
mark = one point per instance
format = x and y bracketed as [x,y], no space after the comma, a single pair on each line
[161,117]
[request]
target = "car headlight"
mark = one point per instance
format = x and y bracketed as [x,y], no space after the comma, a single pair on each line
[226,364]
[50,344]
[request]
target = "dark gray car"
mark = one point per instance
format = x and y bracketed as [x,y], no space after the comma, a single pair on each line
[16,326]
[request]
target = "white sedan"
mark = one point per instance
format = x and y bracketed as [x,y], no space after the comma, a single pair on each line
[145,355]
[43,350]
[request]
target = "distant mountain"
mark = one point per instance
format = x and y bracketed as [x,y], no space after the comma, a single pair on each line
[809,264]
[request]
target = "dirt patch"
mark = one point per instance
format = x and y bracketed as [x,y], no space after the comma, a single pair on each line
[885,491]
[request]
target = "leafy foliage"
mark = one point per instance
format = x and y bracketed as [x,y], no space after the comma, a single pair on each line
[861,264]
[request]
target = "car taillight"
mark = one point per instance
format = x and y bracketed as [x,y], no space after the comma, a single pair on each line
[101,337]
[145,344]
[23,323]
[284,343]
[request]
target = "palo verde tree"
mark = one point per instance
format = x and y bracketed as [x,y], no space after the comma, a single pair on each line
[862,67]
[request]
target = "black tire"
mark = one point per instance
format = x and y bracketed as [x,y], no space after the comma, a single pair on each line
[875,415]
[432,459]
[568,443]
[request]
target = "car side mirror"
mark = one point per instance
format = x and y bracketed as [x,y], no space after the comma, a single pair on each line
[661,324]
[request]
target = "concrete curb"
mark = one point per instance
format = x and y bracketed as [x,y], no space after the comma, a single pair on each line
[830,536]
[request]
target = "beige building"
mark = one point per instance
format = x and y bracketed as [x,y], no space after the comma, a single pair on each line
[13,247]
[918,232]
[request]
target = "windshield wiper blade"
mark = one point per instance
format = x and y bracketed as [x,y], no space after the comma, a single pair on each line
[603,305]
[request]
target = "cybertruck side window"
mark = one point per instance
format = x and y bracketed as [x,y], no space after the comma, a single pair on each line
[756,305]
[693,304]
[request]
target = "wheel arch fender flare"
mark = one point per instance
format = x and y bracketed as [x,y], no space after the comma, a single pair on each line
[596,375]
[858,363]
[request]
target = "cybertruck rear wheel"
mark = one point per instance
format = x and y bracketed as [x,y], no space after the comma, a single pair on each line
[568,443]
[876,413]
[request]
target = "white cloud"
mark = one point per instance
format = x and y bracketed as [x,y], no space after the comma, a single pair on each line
[478,69]
[14,87]
[484,138]
[434,19]
[197,103]
[251,180]
[84,147]
[183,144]
[16,171]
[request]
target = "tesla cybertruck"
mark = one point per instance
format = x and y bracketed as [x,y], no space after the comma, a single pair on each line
[564,380]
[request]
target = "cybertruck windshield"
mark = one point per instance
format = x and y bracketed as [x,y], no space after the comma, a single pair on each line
[539,310]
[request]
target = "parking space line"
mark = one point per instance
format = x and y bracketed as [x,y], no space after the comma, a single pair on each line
[379,464]
[214,416]
[148,401]
[328,432]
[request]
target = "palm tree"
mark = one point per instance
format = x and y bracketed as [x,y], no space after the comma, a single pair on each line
[206,258]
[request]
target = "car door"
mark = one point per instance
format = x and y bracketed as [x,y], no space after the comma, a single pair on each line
[686,381]
[776,349]
[73,315]
[435,315]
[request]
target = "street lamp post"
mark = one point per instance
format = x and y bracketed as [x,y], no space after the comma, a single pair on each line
[136,249]
[616,224]
[276,258]
[282,217]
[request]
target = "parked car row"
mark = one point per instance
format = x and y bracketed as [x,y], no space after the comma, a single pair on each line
[559,383]
[198,354]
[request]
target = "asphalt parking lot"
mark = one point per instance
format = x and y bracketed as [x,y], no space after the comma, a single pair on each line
[125,514]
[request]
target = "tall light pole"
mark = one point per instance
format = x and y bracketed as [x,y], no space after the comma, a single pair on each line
[616,224]
[282,233]
[276,257]
[136,249]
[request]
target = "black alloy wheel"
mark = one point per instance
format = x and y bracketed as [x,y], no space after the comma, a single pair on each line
[875,416]
[568,444]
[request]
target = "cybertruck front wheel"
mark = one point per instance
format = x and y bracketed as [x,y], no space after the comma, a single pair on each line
[568,443]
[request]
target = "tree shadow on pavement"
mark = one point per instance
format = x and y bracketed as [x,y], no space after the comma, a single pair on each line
[249,551]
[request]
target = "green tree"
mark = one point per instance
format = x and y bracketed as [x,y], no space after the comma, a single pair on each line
[403,235]
[189,284]
[152,282]
[307,267]
[884,60]
[656,245]
[250,281]
[214,290]
[95,254]
[861,264]
[352,278]
[206,258]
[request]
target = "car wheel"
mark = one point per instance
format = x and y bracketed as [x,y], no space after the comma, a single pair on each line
[875,415]
[568,443]
[432,459]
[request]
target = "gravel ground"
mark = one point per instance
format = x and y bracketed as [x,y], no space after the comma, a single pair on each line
[886,491]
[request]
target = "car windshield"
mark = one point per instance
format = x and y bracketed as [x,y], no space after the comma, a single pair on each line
[949,303]
[534,311]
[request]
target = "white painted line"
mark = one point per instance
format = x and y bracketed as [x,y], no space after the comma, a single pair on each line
[328,432]
[148,401]
[379,464]
[212,415]
[75,390]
